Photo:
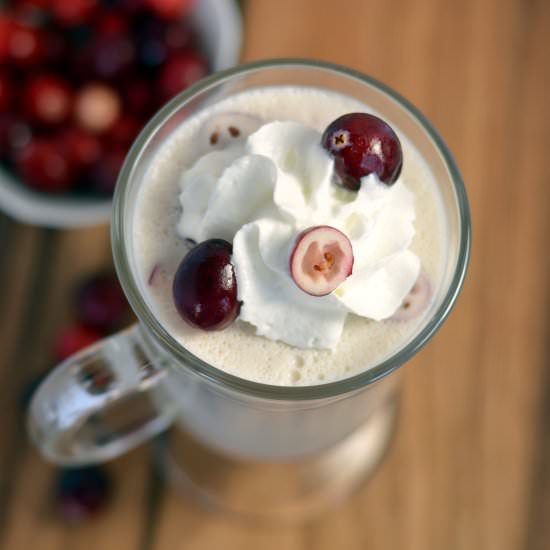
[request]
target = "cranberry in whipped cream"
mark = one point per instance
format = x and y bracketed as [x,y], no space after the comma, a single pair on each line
[252,170]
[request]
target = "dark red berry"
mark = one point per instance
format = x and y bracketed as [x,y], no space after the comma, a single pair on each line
[124,131]
[205,286]
[180,71]
[47,99]
[137,96]
[15,134]
[73,339]
[170,9]
[363,144]
[44,165]
[73,12]
[82,492]
[83,149]
[102,304]
[24,44]
[104,173]
[6,90]
[112,22]
[109,56]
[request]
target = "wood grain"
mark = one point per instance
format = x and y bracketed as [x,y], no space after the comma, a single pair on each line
[470,466]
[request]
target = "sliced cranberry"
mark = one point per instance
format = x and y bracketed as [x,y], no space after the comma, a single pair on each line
[223,129]
[363,144]
[321,260]
[417,300]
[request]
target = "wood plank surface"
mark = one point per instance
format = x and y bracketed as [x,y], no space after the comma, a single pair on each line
[470,466]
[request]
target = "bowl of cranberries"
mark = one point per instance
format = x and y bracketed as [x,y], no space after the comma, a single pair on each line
[78,81]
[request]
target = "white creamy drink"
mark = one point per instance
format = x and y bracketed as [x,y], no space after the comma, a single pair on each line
[251,170]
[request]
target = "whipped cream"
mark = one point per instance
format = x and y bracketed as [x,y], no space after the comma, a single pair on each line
[261,193]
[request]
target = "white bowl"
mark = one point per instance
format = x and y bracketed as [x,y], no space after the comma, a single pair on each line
[218,24]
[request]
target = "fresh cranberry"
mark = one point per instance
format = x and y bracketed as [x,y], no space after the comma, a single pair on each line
[102,304]
[104,173]
[6,26]
[73,12]
[44,165]
[179,35]
[152,49]
[47,99]
[73,339]
[15,134]
[97,107]
[170,9]
[137,96]
[180,71]
[108,57]
[83,148]
[6,90]
[25,44]
[82,492]
[125,130]
[112,22]
[205,286]
[363,144]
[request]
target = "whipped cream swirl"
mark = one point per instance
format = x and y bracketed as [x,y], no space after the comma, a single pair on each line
[261,193]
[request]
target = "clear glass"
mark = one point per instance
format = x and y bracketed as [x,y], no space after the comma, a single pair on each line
[287,444]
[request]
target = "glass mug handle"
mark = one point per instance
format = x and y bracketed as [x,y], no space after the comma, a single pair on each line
[100,403]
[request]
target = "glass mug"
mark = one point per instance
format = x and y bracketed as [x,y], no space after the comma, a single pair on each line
[273,451]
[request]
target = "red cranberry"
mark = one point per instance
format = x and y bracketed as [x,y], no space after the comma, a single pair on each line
[82,492]
[205,286]
[15,134]
[97,107]
[44,165]
[363,144]
[125,130]
[73,12]
[47,99]
[73,339]
[83,149]
[24,43]
[109,56]
[180,71]
[170,9]
[6,90]
[112,22]
[137,96]
[102,304]
[179,35]
[104,173]
[6,25]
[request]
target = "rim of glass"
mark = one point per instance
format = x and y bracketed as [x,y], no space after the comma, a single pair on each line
[215,375]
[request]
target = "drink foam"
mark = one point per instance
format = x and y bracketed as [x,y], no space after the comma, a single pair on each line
[158,250]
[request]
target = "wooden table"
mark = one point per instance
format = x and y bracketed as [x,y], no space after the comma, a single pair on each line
[470,466]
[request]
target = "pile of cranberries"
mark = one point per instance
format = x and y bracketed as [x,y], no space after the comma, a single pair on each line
[205,287]
[78,81]
[101,309]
